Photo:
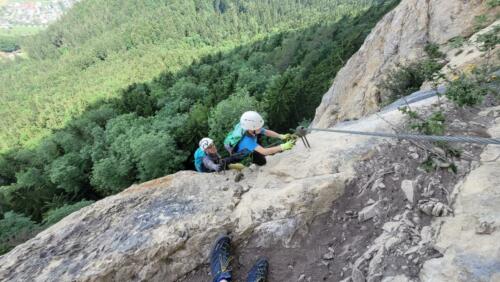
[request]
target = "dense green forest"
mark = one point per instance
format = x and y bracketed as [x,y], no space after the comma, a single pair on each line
[148,129]
[100,46]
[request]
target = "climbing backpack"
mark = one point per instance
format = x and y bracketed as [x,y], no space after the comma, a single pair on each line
[198,159]
[233,138]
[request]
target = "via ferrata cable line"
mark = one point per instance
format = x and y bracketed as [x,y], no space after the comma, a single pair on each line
[302,133]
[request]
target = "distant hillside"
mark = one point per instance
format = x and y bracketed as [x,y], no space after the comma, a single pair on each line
[24,17]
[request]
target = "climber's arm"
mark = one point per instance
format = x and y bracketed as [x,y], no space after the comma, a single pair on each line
[268,151]
[272,134]
[211,165]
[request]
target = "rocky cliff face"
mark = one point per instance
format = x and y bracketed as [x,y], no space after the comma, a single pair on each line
[353,208]
[399,38]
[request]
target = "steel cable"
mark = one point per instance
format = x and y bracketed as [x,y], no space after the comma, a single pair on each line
[458,139]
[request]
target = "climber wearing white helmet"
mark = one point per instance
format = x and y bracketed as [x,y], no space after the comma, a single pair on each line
[206,158]
[243,140]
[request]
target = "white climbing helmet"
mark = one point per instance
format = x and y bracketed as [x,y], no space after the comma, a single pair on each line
[251,121]
[205,143]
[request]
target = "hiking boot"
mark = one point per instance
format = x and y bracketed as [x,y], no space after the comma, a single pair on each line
[220,259]
[258,273]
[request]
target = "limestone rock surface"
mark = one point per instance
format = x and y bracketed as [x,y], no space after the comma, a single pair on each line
[400,37]
[469,255]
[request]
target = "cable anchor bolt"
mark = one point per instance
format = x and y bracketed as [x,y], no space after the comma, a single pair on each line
[302,132]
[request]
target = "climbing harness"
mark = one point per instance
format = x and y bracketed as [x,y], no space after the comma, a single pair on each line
[302,132]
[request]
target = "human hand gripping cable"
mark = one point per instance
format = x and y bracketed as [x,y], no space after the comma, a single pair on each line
[289,137]
[288,145]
